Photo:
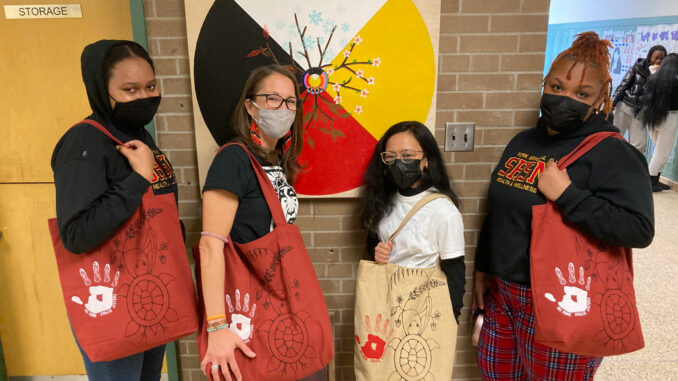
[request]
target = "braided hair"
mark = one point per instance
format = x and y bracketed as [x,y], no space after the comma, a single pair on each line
[594,53]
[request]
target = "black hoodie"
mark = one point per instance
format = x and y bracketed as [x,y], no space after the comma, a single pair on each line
[96,189]
[610,197]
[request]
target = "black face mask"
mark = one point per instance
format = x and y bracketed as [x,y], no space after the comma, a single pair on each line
[563,114]
[136,113]
[405,174]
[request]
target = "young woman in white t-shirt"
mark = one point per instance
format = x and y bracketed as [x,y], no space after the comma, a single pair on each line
[405,167]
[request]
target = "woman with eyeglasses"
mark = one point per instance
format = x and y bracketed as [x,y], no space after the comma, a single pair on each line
[405,167]
[268,121]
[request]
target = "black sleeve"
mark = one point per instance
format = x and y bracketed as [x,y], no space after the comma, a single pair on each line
[625,83]
[372,242]
[89,210]
[231,171]
[620,211]
[455,270]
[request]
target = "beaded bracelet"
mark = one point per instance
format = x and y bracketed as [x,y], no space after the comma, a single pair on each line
[217,316]
[212,329]
[214,235]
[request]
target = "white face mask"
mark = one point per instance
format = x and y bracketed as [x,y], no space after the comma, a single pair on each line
[275,123]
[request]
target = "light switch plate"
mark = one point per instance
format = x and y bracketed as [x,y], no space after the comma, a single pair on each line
[459,136]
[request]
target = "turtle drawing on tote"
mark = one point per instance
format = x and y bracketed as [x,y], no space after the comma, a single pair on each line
[147,296]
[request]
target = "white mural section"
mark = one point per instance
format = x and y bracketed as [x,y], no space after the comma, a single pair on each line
[315,20]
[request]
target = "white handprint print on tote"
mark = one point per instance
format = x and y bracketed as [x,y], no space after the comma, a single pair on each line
[241,325]
[101,300]
[575,299]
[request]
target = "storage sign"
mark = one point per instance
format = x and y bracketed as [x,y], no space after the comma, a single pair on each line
[43,11]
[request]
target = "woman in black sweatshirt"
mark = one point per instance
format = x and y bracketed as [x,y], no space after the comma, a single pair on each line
[99,184]
[606,194]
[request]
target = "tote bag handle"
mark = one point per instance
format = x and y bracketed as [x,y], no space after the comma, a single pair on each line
[420,204]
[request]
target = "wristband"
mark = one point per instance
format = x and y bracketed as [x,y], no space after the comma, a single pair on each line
[212,329]
[215,235]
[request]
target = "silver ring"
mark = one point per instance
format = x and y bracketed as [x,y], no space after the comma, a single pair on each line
[215,366]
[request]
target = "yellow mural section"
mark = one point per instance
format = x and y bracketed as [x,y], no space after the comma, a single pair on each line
[386,74]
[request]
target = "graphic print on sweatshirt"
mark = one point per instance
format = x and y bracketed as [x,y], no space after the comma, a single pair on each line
[286,194]
[520,171]
[163,173]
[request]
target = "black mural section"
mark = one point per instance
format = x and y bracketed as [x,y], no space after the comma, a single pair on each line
[221,63]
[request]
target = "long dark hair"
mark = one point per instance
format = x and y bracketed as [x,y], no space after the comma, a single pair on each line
[659,89]
[379,190]
[242,122]
[121,51]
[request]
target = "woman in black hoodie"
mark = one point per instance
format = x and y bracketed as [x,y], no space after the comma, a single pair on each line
[99,184]
[606,194]
[627,97]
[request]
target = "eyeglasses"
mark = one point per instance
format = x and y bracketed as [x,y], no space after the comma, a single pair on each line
[275,101]
[407,156]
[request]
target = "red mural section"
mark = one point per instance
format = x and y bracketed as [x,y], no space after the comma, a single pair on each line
[346,148]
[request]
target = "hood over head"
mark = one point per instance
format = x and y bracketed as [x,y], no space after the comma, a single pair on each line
[92,62]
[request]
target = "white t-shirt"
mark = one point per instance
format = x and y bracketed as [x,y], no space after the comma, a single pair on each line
[435,231]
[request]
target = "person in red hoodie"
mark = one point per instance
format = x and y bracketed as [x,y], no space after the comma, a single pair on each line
[606,194]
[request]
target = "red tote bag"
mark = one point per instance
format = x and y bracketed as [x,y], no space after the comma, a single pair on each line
[583,293]
[135,291]
[273,300]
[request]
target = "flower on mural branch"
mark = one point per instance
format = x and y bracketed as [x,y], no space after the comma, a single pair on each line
[358,109]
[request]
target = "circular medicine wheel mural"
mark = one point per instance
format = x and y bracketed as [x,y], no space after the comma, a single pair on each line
[362,67]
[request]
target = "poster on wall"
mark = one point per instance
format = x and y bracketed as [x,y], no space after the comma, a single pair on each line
[362,66]
[630,45]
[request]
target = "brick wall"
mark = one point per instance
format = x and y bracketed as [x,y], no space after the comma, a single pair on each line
[490,64]
[491,61]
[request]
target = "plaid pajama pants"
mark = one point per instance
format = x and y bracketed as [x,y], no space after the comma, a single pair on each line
[506,348]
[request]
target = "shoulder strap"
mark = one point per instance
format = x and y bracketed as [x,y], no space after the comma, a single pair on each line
[101,128]
[420,204]
[585,146]
[267,189]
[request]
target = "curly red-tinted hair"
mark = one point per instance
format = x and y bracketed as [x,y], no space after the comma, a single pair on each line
[594,53]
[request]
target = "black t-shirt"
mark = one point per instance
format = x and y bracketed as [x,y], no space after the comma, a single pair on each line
[232,171]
